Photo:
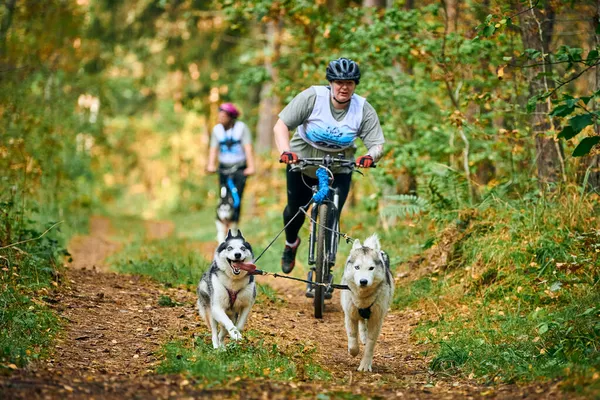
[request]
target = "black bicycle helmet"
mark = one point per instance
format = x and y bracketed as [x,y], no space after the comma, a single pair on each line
[343,69]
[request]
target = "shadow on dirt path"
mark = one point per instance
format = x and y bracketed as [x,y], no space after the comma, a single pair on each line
[114,328]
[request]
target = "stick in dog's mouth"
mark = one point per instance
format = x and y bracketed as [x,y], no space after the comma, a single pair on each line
[237,266]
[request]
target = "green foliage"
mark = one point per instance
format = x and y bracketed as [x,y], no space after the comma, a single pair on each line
[519,302]
[30,267]
[27,327]
[568,106]
[404,204]
[251,359]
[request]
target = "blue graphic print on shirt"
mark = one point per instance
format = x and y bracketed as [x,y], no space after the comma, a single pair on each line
[331,137]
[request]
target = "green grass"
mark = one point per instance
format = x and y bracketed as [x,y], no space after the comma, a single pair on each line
[27,328]
[518,299]
[170,261]
[254,358]
[30,268]
[267,295]
[406,296]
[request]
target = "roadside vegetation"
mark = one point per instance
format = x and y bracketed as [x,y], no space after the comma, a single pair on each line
[31,270]
[511,290]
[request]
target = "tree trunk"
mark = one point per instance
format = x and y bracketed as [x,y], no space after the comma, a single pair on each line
[269,103]
[451,8]
[536,33]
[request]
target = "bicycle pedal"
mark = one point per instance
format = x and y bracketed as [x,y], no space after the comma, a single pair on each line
[310,293]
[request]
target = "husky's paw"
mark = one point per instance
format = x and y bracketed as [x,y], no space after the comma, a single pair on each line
[365,365]
[353,349]
[235,334]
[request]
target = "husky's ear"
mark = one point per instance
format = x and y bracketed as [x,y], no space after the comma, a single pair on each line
[229,235]
[239,234]
[373,242]
[356,245]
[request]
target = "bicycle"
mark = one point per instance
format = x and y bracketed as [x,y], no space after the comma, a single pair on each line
[324,231]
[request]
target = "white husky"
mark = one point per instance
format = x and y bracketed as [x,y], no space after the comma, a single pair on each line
[367,274]
[227,291]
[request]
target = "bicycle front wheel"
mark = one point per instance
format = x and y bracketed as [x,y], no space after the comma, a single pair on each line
[321,265]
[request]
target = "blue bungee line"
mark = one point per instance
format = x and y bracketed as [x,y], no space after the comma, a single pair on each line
[234,193]
[323,177]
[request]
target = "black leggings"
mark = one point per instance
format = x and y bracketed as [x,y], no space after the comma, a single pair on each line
[298,195]
[239,181]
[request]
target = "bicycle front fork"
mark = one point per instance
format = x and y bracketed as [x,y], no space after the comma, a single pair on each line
[312,240]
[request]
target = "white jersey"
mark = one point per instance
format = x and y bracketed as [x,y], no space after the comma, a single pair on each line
[321,129]
[231,150]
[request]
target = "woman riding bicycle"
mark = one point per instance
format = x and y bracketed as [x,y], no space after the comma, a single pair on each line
[231,143]
[327,120]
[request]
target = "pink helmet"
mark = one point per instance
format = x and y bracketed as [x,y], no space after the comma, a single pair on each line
[230,109]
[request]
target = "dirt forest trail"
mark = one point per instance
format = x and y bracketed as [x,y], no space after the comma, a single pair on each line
[114,328]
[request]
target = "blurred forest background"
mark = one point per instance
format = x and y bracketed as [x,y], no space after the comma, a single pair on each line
[489,182]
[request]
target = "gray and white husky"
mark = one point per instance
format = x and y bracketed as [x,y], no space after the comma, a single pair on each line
[367,274]
[227,291]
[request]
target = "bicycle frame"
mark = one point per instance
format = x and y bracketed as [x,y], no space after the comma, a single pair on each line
[332,248]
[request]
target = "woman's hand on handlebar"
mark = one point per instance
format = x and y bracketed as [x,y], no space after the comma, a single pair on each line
[288,157]
[211,169]
[365,161]
[249,171]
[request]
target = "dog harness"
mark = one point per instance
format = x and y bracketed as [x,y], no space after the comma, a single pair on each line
[232,297]
[366,312]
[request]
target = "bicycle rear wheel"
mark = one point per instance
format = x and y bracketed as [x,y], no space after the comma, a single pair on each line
[321,264]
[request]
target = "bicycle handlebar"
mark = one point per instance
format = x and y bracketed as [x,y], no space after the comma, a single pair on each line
[229,170]
[326,161]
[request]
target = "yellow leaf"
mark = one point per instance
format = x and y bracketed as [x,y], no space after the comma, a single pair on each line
[500,72]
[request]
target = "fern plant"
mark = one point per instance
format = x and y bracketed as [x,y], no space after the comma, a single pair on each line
[404,205]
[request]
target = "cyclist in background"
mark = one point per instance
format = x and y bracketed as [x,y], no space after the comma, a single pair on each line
[231,144]
[327,120]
